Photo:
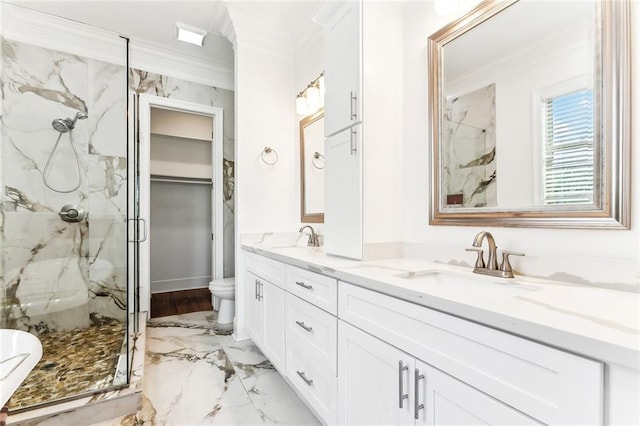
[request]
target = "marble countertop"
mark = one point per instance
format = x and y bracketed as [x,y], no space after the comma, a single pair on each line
[598,323]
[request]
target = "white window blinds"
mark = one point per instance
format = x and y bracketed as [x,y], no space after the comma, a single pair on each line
[568,148]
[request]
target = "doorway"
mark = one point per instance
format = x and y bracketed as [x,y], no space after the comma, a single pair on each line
[180,196]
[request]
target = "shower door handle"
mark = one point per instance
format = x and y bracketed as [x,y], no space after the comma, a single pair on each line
[144,222]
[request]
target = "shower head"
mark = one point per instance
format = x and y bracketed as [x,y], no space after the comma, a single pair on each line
[64,125]
[60,125]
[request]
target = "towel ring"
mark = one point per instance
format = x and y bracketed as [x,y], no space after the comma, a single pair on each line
[272,152]
[316,156]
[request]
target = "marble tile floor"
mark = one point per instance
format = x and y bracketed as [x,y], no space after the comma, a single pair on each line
[194,376]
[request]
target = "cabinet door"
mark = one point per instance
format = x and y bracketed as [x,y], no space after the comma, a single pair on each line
[255,325]
[343,194]
[447,401]
[374,381]
[274,324]
[342,68]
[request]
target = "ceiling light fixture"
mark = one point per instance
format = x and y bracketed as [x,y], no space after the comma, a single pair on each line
[311,98]
[190,34]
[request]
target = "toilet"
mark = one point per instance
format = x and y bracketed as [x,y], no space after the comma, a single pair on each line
[223,294]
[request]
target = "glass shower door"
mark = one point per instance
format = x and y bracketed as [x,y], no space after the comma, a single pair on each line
[63,201]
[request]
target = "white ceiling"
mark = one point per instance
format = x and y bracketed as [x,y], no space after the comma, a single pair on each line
[153,21]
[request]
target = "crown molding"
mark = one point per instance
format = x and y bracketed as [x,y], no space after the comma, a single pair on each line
[51,32]
[253,30]
[158,59]
[32,27]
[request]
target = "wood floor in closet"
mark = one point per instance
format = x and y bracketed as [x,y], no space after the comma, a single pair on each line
[180,302]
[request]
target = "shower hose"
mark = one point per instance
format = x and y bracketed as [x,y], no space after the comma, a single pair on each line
[47,166]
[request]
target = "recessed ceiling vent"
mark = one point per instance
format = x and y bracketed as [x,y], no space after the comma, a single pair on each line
[190,34]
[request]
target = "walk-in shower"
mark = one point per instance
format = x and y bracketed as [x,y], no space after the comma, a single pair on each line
[64,275]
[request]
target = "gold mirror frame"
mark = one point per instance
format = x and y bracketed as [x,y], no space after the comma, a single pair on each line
[304,216]
[612,85]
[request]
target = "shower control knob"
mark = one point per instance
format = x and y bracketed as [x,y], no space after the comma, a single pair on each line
[72,213]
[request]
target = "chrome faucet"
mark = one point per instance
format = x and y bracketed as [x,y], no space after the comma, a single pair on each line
[491,267]
[314,240]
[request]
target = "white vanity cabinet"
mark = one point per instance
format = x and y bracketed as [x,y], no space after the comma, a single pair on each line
[484,374]
[363,121]
[265,307]
[343,194]
[343,68]
[380,384]
[311,334]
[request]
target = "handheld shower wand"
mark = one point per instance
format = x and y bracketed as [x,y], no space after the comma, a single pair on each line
[64,125]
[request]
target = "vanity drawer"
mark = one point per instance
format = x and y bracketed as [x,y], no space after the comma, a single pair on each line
[317,385]
[268,269]
[314,329]
[548,384]
[314,288]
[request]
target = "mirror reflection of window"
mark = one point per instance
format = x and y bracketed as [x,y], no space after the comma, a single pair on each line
[568,148]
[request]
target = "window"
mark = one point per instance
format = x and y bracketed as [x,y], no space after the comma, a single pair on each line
[568,148]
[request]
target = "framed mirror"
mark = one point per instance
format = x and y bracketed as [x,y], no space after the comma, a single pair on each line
[312,168]
[530,115]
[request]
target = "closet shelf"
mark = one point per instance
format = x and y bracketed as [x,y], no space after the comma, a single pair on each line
[175,179]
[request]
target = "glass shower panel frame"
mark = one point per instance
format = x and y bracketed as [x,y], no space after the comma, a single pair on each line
[65,280]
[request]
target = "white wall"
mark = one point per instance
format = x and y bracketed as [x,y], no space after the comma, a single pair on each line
[609,258]
[267,197]
[382,114]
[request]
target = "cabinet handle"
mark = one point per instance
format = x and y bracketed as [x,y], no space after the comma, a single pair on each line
[260,287]
[353,104]
[303,285]
[309,382]
[306,327]
[401,396]
[353,140]
[256,290]
[416,394]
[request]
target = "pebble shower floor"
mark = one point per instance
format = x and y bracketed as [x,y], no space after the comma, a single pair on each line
[73,362]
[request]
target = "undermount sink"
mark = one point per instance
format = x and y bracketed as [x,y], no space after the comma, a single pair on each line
[19,353]
[469,284]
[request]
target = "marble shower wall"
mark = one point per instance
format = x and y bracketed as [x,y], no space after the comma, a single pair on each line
[43,257]
[470,149]
[170,87]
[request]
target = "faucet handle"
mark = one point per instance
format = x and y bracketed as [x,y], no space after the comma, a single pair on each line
[480,258]
[506,265]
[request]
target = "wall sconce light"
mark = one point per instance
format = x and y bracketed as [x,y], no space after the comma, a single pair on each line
[190,34]
[311,98]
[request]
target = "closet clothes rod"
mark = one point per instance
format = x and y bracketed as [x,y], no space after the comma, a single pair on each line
[180,180]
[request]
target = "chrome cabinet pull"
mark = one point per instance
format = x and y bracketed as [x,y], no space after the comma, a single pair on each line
[353,142]
[306,327]
[353,105]
[303,285]
[401,396]
[416,394]
[309,382]
[255,290]
[260,287]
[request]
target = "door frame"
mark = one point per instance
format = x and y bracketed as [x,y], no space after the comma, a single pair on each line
[145,103]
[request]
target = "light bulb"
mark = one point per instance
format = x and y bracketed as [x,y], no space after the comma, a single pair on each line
[321,87]
[313,98]
[301,105]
